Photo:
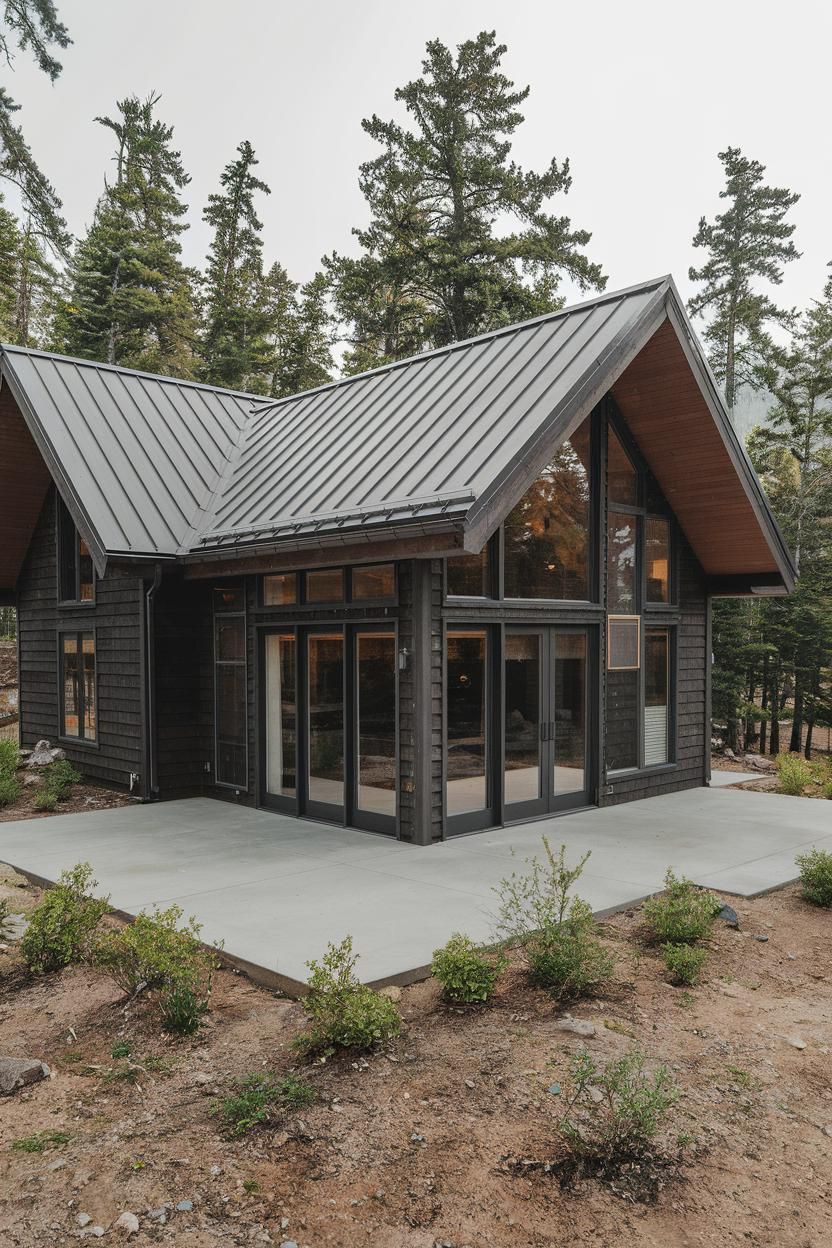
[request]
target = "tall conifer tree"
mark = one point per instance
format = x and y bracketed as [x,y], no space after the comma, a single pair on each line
[748,243]
[460,238]
[131,299]
[235,344]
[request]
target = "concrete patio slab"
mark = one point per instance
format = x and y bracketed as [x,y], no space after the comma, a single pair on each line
[721,778]
[275,890]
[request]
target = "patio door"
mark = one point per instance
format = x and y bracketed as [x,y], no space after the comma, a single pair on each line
[330,739]
[545,720]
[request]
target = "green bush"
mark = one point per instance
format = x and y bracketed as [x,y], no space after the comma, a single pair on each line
[10,788]
[466,973]
[343,1012]
[682,914]
[61,928]
[257,1099]
[45,800]
[556,933]
[155,952]
[58,779]
[684,962]
[9,757]
[816,876]
[794,774]
[613,1115]
[182,1010]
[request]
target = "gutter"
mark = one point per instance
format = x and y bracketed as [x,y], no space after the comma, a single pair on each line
[150,780]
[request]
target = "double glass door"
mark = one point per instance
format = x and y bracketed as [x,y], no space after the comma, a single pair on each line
[330,723]
[545,720]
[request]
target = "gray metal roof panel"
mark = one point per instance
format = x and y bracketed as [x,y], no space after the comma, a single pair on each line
[442,421]
[143,454]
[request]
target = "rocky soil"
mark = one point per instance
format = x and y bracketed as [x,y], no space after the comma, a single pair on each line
[408,1147]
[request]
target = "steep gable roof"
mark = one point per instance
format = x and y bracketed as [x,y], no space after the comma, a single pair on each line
[444,441]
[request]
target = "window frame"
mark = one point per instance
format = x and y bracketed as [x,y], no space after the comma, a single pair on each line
[81,740]
[216,663]
[497,548]
[302,602]
[66,530]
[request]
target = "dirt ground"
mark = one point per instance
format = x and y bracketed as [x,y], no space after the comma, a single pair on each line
[83,797]
[407,1147]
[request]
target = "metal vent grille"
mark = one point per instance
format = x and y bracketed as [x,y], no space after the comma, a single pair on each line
[623,643]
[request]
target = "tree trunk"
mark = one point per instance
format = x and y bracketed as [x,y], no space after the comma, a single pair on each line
[797,722]
[810,723]
[764,705]
[774,740]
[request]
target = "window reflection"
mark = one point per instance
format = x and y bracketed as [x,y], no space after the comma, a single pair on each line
[622,479]
[468,575]
[376,710]
[656,654]
[547,533]
[466,708]
[657,556]
[621,563]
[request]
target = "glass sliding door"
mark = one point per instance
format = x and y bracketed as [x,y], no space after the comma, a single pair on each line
[569,776]
[468,790]
[374,798]
[325,783]
[524,733]
[545,732]
[281,715]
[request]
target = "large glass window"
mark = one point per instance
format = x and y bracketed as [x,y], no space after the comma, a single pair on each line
[622,719]
[78,701]
[656,699]
[547,533]
[325,696]
[468,576]
[622,478]
[76,577]
[523,673]
[230,688]
[622,563]
[657,559]
[467,717]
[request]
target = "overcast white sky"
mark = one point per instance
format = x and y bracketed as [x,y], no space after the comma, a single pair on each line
[640,95]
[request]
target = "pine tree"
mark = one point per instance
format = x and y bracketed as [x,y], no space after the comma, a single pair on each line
[28,282]
[434,268]
[235,344]
[131,299]
[32,25]
[750,241]
[305,360]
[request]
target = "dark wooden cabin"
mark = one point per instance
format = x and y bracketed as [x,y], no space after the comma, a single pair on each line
[463,590]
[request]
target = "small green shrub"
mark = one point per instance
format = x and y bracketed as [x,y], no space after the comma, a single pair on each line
[682,914]
[58,779]
[183,1010]
[45,800]
[466,973]
[343,1012]
[794,774]
[556,932]
[61,927]
[10,788]
[259,1096]
[121,1049]
[40,1141]
[816,876]
[684,962]
[9,757]
[155,952]
[613,1115]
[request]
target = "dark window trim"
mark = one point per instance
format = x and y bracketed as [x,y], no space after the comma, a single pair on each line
[302,601]
[63,737]
[224,784]
[63,517]
[490,816]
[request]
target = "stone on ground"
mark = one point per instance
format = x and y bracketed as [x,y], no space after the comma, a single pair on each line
[19,1072]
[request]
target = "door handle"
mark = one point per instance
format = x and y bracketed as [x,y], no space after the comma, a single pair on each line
[544,727]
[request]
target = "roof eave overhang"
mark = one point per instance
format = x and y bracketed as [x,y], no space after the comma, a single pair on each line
[64,486]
